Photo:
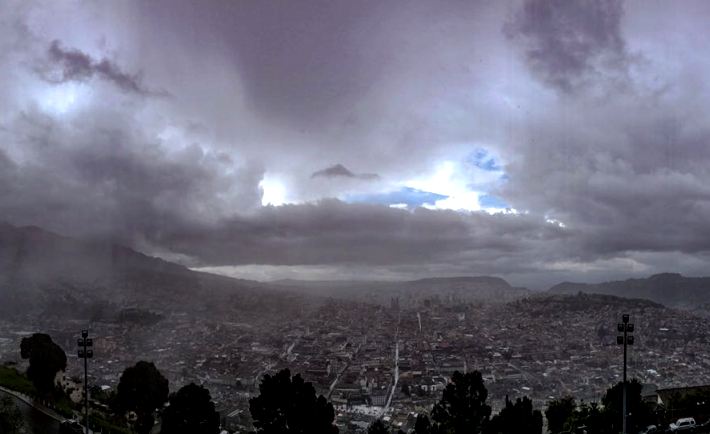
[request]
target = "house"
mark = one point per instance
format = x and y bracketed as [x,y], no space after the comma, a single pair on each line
[685,402]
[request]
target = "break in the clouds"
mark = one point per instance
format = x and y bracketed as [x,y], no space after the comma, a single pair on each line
[538,140]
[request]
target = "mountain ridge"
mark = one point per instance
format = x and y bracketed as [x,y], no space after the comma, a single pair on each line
[670,289]
[41,271]
[35,262]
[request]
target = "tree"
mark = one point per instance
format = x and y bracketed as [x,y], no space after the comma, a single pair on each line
[377,427]
[639,413]
[10,417]
[422,425]
[191,411]
[462,408]
[559,412]
[517,418]
[141,389]
[591,417]
[46,359]
[288,405]
[689,403]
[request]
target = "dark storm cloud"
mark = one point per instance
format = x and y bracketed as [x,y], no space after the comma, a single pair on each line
[626,180]
[568,43]
[297,60]
[338,170]
[108,180]
[334,232]
[75,65]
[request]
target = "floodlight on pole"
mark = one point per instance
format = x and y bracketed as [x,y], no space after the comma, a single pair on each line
[626,339]
[84,343]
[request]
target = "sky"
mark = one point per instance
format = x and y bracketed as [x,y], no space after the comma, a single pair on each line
[535,140]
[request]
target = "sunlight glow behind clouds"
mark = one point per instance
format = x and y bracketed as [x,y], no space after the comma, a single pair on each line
[274,191]
[463,182]
[60,98]
[460,183]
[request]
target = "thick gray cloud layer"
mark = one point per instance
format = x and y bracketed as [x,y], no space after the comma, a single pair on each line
[595,110]
[570,44]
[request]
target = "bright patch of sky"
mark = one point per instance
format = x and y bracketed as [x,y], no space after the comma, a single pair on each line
[463,184]
[492,201]
[483,159]
[59,99]
[555,222]
[405,197]
[273,191]
[466,183]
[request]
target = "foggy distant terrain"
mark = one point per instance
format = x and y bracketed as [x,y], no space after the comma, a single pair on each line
[39,267]
[409,293]
[670,289]
[88,278]
[42,272]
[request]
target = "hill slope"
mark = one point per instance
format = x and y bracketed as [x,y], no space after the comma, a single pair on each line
[670,289]
[44,272]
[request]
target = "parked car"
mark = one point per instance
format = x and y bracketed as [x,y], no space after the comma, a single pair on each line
[685,424]
[649,429]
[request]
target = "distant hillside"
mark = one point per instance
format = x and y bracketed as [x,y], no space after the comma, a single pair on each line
[670,289]
[445,289]
[41,271]
[34,253]
[541,302]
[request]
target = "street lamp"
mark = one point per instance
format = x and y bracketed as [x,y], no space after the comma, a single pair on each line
[626,339]
[84,343]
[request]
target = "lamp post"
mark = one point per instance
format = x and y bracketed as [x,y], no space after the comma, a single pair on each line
[84,343]
[626,339]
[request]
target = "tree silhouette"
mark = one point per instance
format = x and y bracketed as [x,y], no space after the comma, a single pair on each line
[288,405]
[564,414]
[592,418]
[46,359]
[638,413]
[559,412]
[141,389]
[462,408]
[422,425]
[10,417]
[191,411]
[516,418]
[377,427]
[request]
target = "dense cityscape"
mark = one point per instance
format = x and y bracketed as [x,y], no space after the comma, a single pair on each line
[383,361]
